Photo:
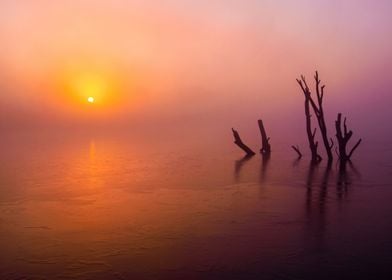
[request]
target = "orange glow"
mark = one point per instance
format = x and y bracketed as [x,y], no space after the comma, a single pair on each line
[82,84]
[141,61]
[90,86]
[93,86]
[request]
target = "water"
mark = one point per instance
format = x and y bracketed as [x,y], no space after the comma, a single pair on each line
[125,207]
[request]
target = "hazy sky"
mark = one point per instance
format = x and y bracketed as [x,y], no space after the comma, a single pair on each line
[192,62]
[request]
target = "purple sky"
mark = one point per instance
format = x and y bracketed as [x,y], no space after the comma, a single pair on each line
[193,62]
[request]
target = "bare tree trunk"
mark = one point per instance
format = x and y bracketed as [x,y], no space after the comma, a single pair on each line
[266,147]
[239,143]
[313,145]
[319,111]
[297,150]
[343,137]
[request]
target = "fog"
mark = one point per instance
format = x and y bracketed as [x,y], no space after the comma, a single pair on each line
[200,67]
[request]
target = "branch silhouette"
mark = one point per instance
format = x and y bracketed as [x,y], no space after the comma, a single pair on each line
[239,143]
[343,138]
[266,147]
[313,144]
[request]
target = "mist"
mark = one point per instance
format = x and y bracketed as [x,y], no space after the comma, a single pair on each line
[205,66]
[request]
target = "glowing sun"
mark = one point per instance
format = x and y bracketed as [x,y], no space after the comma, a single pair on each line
[90,99]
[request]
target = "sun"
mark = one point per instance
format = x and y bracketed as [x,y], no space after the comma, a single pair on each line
[88,88]
[91,87]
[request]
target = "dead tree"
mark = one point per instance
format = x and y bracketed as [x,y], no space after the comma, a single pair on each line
[313,144]
[239,143]
[266,147]
[297,150]
[343,137]
[319,111]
